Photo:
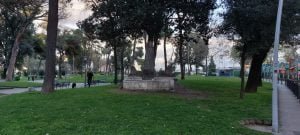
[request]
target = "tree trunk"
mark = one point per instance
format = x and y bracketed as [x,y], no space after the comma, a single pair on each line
[60,60]
[196,69]
[182,65]
[255,72]
[188,60]
[48,85]
[165,52]
[106,66]
[206,41]
[156,43]
[13,57]
[122,66]
[133,57]
[3,75]
[73,64]
[206,67]
[242,72]
[149,64]
[190,69]
[100,63]
[260,79]
[115,65]
[38,69]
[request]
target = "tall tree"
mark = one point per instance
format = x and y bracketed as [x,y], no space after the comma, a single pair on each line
[212,66]
[150,17]
[26,11]
[199,50]
[188,18]
[105,24]
[256,27]
[72,47]
[48,85]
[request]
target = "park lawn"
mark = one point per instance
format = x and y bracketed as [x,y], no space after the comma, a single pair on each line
[19,84]
[106,110]
[77,78]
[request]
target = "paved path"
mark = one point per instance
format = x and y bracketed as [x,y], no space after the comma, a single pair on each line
[22,90]
[289,112]
[13,91]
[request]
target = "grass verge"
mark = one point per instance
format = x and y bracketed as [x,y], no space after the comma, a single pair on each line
[19,84]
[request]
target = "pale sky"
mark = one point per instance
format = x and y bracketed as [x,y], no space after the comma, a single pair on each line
[79,12]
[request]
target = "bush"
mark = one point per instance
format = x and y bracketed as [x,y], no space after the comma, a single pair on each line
[63,72]
[25,73]
[19,73]
[17,78]
[41,73]
[1,73]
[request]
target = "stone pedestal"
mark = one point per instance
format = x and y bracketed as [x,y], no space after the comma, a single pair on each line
[156,84]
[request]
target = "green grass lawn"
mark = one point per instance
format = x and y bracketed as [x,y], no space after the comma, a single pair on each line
[105,110]
[80,79]
[19,84]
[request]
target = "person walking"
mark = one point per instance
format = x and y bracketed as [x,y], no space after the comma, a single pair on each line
[90,77]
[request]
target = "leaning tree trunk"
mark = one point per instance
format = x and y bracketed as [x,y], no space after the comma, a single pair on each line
[115,65]
[13,57]
[48,85]
[255,72]
[149,64]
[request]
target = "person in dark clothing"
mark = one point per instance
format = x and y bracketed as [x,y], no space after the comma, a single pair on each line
[73,85]
[90,77]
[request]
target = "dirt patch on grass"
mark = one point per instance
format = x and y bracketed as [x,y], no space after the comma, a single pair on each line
[179,90]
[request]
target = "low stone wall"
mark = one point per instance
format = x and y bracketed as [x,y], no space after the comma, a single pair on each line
[156,84]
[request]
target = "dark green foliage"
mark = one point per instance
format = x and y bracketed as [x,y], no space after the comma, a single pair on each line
[254,22]
[16,19]
[212,67]
[17,78]
[115,19]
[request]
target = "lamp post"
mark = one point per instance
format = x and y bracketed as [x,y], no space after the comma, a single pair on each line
[275,72]
[85,66]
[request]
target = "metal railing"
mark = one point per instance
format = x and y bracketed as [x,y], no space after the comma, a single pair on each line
[294,87]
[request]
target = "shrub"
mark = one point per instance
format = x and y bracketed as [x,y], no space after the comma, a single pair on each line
[41,73]
[17,78]
[25,73]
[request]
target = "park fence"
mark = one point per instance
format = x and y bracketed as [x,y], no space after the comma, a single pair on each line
[294,87]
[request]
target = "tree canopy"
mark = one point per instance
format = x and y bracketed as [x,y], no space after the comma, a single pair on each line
[254,21]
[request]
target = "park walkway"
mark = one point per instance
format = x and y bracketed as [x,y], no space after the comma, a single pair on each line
[22,90]
[289,112]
